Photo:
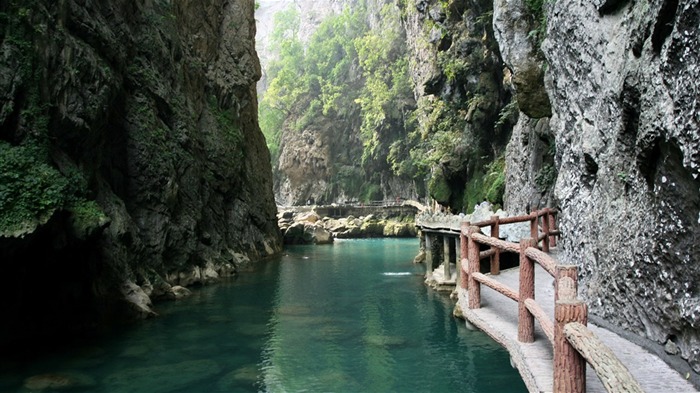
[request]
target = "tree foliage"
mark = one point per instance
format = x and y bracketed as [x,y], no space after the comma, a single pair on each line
[353,76]
[345,69]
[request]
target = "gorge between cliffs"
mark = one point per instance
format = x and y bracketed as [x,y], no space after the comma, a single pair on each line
[149,145]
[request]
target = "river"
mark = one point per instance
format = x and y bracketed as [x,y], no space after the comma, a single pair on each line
[354,316]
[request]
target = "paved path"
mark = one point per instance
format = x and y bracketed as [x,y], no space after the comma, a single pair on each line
[498,317]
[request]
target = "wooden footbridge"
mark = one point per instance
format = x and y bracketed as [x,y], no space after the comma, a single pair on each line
[553,354]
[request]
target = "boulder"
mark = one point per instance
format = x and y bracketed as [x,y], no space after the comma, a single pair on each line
[317,234]
[179,292]
[137,299]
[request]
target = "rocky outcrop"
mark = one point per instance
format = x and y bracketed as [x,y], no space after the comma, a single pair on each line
[132,157]
[308,227]
[621,79]
[457,72]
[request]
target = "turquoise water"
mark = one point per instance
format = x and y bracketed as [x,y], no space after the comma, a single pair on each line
[354,316]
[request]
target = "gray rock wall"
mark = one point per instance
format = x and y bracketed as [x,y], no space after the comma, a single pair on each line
[622,80]
[146,112]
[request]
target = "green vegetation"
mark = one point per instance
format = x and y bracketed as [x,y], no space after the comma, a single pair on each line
[353,80]
[228,124]
[320,84]
[486,185]
[547,174]
[538,19]
[546,177]
[32,188]
[85,217]
[507,113]
[439,188]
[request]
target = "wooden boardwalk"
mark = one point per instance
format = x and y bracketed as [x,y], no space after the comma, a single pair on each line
[498,317]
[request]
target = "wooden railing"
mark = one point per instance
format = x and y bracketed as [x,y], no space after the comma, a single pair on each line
[573,343]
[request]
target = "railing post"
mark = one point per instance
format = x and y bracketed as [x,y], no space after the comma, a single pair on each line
[569,365]
[526,321]
[446,257]
[552,227]
[545,229]
[496,257]
[534,230]
[464,255]
[561,271]
[473,286]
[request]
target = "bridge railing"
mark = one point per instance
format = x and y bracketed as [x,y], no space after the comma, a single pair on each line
[573,343]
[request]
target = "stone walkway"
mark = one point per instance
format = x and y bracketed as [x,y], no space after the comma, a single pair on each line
[498,317]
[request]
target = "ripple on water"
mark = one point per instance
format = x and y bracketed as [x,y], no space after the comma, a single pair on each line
[334,323]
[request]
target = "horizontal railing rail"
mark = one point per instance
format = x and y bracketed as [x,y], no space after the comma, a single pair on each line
[573,343]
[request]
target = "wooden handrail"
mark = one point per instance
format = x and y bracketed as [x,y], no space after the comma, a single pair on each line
[496,286]
[543,259]
[573,343]
[503,245]
[539,314]
[612,373]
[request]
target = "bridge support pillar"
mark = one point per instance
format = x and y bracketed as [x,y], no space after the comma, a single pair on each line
[446,257]
[458,258]
[463,255]
[428,255]
[552,227]
[534,227]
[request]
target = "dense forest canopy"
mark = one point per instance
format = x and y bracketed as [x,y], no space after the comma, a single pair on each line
[353,77]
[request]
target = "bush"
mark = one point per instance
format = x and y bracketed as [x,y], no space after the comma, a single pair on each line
[30,189]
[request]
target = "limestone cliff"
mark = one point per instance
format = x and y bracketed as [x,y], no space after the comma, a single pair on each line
[621,77]
[459,84]
[131,155]
[351,101]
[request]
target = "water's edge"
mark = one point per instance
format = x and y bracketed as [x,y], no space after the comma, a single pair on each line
[352,316]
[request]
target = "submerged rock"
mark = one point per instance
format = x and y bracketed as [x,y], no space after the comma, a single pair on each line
[62,381]
[179,292]
[162,378]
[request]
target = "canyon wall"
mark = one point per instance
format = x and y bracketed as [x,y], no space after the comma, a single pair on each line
[621,77]
[132,159]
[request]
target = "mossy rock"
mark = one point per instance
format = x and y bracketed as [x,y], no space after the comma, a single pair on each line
[439,188]
[531,94]
[87,218]
[372,228]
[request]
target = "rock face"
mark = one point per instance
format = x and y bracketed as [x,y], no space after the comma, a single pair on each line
[621,77]
[324,154]
[137,123]
[457,73]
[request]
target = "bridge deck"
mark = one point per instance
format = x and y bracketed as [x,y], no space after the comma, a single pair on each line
[498,317]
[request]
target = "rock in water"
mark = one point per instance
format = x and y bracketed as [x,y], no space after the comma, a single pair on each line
[163,378]
[58,381]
